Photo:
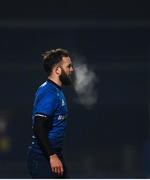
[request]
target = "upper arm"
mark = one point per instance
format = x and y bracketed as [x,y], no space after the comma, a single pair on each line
[46,105]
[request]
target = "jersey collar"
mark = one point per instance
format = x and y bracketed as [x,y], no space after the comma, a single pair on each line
[50,81]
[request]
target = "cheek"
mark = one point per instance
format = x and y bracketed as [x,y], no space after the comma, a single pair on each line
[67,71]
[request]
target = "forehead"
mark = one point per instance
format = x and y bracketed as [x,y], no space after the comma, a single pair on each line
[66,60]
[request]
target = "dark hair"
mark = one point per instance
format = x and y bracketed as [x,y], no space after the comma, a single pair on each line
[53,57]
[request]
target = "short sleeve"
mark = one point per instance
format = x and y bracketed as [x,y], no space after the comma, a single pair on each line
[46,105]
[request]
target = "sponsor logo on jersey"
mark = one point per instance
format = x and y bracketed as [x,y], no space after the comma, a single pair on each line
[60,117]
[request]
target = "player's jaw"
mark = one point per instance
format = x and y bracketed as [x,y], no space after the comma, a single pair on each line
[65,78]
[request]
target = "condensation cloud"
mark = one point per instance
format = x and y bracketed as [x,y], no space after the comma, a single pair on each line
[85,83]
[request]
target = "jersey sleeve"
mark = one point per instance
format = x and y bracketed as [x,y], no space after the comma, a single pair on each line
[46,105]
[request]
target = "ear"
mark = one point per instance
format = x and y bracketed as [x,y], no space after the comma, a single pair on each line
[58,70]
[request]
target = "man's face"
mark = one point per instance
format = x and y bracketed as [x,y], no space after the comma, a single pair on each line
[66,71]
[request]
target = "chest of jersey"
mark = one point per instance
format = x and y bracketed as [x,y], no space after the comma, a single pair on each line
[61,111]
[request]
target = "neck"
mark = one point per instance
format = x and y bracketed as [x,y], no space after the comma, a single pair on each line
[57,81]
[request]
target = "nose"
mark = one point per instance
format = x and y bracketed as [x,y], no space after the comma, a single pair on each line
[71,69]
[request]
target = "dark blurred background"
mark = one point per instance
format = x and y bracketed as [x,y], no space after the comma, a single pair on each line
[111,140]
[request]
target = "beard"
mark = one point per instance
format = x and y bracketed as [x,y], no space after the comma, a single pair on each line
[65,79]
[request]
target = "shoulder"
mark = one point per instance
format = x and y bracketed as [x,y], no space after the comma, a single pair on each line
[46,90]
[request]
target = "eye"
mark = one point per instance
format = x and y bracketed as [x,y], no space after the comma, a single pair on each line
[70,65]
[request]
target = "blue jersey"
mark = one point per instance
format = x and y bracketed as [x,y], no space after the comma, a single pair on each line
[50,102]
